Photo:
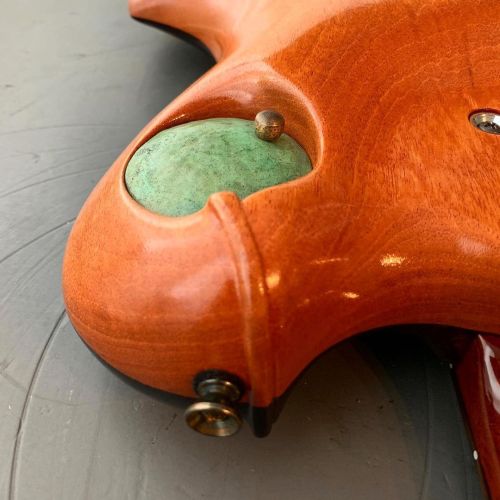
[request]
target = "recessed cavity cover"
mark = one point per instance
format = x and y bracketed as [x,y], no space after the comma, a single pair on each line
[176,171]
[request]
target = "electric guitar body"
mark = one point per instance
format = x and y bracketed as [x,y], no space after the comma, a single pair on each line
[380,204]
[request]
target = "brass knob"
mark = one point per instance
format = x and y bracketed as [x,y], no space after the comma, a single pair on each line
[269,125]
[215,414]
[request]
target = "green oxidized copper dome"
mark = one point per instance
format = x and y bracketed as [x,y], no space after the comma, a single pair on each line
[176,171]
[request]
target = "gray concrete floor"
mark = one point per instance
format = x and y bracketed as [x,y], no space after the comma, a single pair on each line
[372,419]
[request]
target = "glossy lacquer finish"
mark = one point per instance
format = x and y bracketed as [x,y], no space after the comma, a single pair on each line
[478,375]
[399,221]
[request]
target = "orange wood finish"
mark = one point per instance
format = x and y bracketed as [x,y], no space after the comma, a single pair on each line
[399,221]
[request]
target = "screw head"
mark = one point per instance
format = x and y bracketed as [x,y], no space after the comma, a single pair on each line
[213,419]
[269,125]
[486,121]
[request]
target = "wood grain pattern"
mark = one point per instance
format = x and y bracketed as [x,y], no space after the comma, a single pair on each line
[399,222]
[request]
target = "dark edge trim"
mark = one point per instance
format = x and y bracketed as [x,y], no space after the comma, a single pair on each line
[182,35]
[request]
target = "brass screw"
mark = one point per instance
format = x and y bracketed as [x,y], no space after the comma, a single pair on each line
[215,414]
[269,125]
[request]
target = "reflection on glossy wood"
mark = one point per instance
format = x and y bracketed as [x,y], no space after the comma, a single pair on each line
[479,378]
[399,222]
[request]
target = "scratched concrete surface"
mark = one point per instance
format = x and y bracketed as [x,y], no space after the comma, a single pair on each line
[370,420]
